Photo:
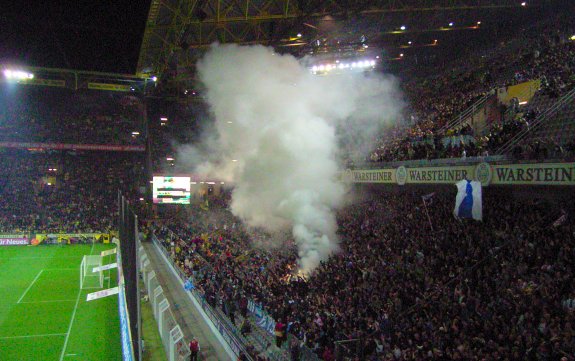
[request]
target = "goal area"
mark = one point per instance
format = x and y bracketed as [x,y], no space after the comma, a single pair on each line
[89,278]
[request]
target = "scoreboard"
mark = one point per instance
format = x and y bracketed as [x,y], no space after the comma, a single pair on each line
[174,190]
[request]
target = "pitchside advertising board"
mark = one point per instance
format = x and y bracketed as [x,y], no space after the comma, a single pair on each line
[36,239]
[487,174]
[171,190]
[14,240]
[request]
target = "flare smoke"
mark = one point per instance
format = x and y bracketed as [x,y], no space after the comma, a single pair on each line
[279,130]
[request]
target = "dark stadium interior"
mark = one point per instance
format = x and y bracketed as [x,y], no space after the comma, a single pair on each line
[115,94]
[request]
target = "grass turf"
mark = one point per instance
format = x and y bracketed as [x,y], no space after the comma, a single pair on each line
[154,349]
[44,314]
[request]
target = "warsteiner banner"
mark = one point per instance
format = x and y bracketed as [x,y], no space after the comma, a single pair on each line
[537,174]
[505,174]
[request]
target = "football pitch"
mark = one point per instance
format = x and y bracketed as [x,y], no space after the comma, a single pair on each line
[44,315]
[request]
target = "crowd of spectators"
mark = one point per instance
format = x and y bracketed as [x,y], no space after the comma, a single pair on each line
[64,192]
[31,114]
[404,285]
[542,54]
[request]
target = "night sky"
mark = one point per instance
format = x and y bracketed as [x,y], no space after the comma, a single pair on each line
[86,35]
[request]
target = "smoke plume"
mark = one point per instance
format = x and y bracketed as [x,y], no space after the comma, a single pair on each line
[278,133]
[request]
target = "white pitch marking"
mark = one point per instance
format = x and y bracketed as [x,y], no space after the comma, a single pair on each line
[70,326]
[28,289]
[39,257]
[50,301]
[73,315]
[29,336]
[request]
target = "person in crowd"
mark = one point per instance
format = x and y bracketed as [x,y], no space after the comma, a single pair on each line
[194,349]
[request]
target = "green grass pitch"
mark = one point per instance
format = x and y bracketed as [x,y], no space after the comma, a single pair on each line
[44,315]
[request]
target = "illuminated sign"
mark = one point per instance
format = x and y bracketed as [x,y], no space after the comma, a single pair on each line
[171,190]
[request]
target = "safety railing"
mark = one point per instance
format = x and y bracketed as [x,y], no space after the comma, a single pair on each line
[229,333]
[171,334]
[263,320]
[538,122]
[464,115]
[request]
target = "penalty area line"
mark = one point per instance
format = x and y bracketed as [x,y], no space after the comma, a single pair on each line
[70,326]
[73,316]
[31,284]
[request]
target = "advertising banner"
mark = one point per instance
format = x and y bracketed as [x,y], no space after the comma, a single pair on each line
[108,252]
[403,175]
[263,320]
[104,267]
[534,174]
[436,175]
[370,176]
[103,293]
[69,238]
[504,174]
[14,240]
[63,146]
[110,87]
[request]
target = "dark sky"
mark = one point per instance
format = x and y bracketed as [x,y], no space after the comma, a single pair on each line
[100,35]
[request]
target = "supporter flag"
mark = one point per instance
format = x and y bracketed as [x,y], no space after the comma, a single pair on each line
[205,205]
[468,200]
[561,219]
[189,285]
[428,198]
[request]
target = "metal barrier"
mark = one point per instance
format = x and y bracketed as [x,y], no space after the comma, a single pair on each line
[228,333]
[306,354]
[539,121]
[171,334]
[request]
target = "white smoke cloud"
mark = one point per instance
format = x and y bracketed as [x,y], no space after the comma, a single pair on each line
[278,128]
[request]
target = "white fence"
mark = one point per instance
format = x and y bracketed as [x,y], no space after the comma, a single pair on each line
[171,334]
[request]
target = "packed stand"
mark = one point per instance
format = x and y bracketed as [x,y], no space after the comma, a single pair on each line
[436,100]
[32,114]
[64,192]
[407,289]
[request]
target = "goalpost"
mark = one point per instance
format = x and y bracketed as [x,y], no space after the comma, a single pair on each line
[88,278]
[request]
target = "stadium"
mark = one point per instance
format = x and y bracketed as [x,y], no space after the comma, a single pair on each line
[275,180]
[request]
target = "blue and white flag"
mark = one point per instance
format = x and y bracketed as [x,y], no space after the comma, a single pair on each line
[468,200]
[428,198]
[189,285]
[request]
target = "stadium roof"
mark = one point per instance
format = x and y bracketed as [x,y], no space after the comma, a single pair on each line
[103,36]
[177,29]
[157,37]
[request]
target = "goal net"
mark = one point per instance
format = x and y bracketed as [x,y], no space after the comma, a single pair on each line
[88,278]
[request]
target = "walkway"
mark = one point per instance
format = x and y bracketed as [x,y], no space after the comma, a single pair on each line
[186,314]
